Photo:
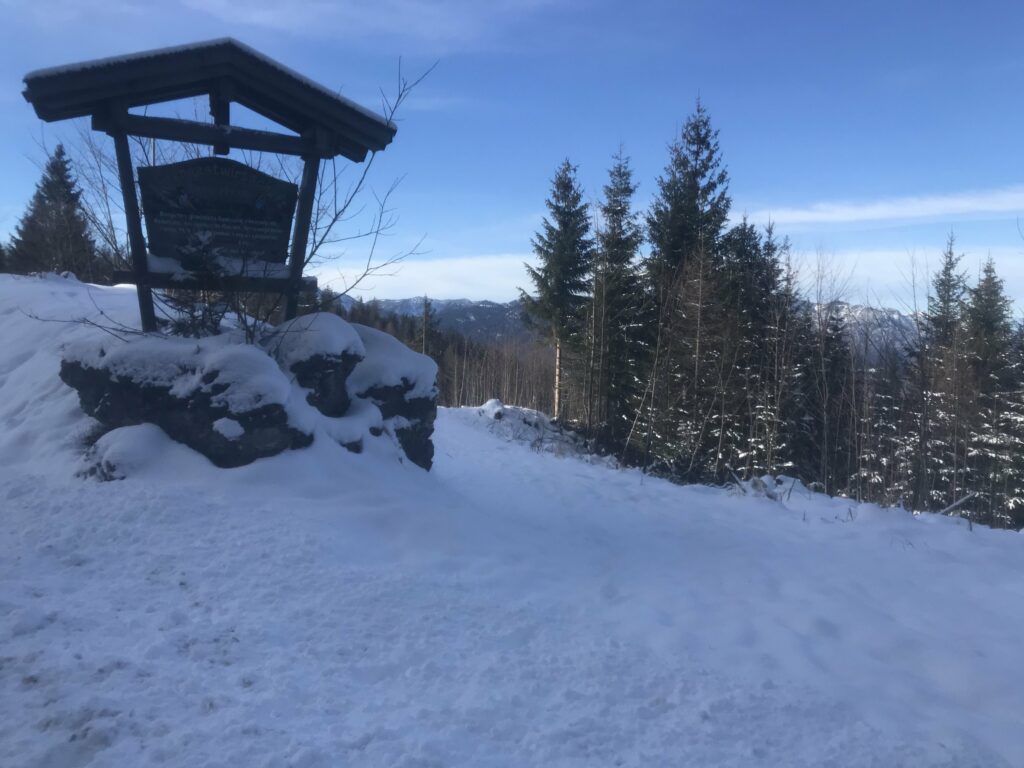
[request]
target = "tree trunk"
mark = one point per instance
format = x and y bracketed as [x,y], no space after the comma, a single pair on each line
[558,379]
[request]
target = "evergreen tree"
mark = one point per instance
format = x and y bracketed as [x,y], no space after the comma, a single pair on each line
[994,433]
[944,449]
[685,374]
[946,300]
[989,330]
[617,306]
[781,414]
[1013,512]
[427,331]
[823,445]
[749,286]
[53,235]
[565,249]
[691,208]
[328,300]
[884,420]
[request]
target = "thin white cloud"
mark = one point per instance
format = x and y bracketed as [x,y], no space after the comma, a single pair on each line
[887,277]
[496,277]
[1007,200]
[876,276]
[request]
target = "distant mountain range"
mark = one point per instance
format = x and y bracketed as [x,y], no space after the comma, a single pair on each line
[478,320]
[493,321]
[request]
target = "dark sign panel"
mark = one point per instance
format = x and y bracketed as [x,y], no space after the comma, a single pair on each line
[217,215]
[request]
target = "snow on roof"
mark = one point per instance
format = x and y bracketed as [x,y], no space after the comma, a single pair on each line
[250,77]
[110,61]
[203,45]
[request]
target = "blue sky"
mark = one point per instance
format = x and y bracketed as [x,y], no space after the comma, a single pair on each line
[866,130]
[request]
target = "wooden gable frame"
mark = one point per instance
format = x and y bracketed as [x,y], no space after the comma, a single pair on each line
[323,124]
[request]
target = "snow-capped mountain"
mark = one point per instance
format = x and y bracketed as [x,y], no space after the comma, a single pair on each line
[872,329]
[869,327]
[478,320]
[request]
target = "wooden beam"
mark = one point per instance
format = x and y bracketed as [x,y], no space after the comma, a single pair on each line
[220,111]
[260,103]
[300,234]
[225,283]
[190,131]
[136,241]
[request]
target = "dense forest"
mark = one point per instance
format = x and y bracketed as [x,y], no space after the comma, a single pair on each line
[683,342]
[703,358]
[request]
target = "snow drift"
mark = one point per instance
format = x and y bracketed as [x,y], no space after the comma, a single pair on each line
[514,607]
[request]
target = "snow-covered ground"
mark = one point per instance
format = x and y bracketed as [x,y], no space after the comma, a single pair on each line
[513,607]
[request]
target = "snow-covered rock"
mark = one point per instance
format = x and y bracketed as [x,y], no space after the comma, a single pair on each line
[389,363]
[403,385]
[188,388]
[531,428]
[236,403]
[321,334]
[320,350]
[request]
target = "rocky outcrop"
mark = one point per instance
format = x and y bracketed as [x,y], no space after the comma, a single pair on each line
[411,419]
[201,417]
[325,376]
[403,385]
[320,350]
[235,403]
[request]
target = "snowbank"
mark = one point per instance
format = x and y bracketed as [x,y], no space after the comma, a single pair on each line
[511,608]
[531,428]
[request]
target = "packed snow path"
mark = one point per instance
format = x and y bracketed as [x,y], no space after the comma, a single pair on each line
[511,608]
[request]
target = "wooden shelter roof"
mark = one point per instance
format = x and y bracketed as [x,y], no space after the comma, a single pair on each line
[227,70]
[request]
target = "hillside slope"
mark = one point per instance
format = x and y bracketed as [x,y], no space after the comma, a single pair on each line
[510,608]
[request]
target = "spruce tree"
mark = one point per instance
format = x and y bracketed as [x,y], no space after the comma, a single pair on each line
[946,300]
[749,285]
[427,331]
[823,445]
[685,226]
[885,422]
[784,408]
[692,206]
[994,432]
[1013,512]
[617,305]
[944,445]
[53,235]
[328,300]
[565,250]
[989,330]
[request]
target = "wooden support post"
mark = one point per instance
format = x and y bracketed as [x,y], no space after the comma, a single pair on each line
[136,241]
[220,111]
[300,234]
